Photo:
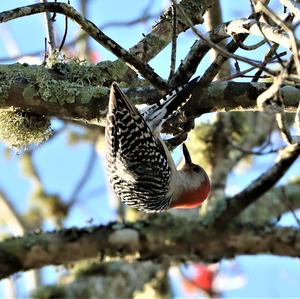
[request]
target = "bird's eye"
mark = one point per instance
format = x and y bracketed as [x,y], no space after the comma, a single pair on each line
[196,168]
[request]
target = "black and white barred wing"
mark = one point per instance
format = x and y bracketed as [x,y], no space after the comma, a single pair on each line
[136,161]
[155,115]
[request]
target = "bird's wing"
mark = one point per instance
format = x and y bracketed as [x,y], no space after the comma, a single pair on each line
[137,163]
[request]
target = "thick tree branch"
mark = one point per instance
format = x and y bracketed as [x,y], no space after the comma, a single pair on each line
[90,28]
[75,92]
[271,206]
[236,204]
[252,27]
[112,279]
[142,240]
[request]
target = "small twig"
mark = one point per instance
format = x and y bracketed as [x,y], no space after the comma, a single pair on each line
[237,66]
[246,47]
[268,59]
[215,66]
[45,51]
[84,178]
[10,216]
[49,29]
[251,152]
[238,74]
[285,133]
[53,18]
[297,121]
[174,42]
[289,205]
[265,61]
[64,36]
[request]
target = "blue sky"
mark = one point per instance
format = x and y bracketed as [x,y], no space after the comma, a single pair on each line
[60,165]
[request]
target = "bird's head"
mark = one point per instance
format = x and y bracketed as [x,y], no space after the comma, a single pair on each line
[194,184]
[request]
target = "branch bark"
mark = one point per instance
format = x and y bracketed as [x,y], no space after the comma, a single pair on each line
[141,240]
[80,93]
[236,204]
[271,206]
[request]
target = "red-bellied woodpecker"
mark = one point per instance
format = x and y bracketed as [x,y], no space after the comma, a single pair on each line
[140,168]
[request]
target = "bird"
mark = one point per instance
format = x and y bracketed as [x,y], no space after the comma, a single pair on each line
[140,168]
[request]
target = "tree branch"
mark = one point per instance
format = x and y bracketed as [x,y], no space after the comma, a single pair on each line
[236,204]
[271,205]
[293,6]
[252,27]
[143,241]
[49,29]
[75,92]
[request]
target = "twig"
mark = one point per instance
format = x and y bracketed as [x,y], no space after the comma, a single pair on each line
[289,205]
[215,66]
[238,74]
[65,35]
[144,69]
[174,43]
[265,61]
[251,152]
[253,27]
[271,100]
[246,47]
[85,176]
[190,63]
[297,122]
[285,133]
[142,19]
[49,29]
[257,75]
[45,51]
[10,215]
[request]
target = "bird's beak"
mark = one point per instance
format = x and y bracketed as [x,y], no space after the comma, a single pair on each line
[186,154]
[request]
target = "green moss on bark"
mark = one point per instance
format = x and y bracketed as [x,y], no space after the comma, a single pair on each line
[20,129]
